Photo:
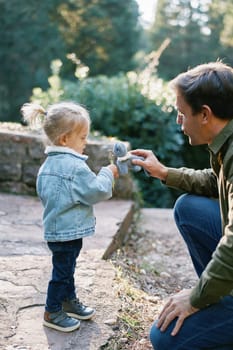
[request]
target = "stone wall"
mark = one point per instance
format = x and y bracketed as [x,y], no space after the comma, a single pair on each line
[22,153]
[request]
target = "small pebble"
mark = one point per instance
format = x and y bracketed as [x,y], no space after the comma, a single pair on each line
[165,274]
[110,322]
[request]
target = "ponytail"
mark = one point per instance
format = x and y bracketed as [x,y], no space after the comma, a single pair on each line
[33,114]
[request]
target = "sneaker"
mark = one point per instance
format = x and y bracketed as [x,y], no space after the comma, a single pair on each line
[60,321]
[76,309]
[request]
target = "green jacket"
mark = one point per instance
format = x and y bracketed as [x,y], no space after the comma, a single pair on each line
[217,278]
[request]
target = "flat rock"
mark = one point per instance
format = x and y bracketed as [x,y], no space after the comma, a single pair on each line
[26,268]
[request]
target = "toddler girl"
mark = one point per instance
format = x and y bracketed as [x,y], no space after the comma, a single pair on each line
[68,189]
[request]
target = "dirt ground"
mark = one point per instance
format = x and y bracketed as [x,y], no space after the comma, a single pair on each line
[153,264]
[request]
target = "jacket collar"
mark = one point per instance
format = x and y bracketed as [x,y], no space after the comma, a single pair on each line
[67,150]
[221,138]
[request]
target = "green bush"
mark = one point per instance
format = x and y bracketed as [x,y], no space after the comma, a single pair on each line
[119,108]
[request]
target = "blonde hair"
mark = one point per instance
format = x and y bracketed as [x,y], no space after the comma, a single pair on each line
[58,119]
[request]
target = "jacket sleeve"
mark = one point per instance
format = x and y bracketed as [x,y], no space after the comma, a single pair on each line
[217,278]
[200,182]
[89,188]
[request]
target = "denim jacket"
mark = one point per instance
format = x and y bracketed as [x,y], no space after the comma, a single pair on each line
[68,189]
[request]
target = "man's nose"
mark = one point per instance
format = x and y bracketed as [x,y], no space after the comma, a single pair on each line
[179,118]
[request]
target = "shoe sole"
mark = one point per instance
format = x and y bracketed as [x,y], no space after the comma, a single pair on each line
[78,317]
[61,329]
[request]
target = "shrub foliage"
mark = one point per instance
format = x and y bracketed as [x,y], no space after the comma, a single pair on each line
[130,109]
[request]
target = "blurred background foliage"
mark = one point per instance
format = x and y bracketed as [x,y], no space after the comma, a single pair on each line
[98,53]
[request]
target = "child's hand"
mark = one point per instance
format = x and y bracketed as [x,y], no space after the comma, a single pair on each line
[114,170]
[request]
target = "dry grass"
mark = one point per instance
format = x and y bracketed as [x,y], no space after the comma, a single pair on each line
[144,279]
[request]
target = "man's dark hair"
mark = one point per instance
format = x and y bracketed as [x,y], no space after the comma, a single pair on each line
[208,84]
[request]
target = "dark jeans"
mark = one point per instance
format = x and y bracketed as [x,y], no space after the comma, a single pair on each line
[198,220]
[61,286]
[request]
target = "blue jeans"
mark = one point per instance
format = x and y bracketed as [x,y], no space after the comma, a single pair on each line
[61,286]
[199,222]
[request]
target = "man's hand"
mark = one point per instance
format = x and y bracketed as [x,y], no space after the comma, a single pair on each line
[178,307]
[150,163]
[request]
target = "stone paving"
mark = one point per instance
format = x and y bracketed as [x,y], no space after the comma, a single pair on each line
[25,268]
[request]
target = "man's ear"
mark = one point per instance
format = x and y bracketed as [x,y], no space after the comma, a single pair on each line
[206,114]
